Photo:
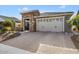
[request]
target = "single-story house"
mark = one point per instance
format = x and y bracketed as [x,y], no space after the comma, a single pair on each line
[48,21]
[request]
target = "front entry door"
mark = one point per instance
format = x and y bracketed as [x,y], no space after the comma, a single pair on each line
[26,24]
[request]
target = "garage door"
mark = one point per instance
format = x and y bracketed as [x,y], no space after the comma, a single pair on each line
[54,24]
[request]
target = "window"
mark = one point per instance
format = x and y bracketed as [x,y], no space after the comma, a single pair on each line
[43,20]
[38,20]
[57,19]
[47,20]
[50,20]
[61,19]
[53,19]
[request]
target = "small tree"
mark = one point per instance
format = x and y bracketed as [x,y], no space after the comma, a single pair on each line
[9,24]
[74,23]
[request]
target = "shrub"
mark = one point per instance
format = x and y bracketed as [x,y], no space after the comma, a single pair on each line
[74,22]
[9,24]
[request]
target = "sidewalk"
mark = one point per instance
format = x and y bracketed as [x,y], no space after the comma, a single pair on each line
[5,49]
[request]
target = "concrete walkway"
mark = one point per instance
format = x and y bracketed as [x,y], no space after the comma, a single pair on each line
[30,41]
[5,49]
[47,49]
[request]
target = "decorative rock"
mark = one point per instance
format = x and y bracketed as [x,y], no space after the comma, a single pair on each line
[9,35]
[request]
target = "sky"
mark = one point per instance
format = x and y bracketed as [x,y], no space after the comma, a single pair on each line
[15,10]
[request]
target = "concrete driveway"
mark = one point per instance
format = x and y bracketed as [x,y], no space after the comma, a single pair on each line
[31,41]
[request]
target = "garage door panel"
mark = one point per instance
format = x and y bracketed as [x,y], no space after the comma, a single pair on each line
[54,25]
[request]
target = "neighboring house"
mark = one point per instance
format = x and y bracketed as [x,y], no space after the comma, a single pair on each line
[47,21]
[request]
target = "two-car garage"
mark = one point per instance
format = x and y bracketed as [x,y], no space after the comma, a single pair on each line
[53,24]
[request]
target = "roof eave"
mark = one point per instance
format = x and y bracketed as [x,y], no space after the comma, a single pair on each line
[53,15]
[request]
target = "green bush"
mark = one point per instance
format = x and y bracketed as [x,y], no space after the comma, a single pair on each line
[9,23]
[74,21]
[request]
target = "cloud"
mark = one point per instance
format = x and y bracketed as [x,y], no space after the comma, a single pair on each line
[23,9]
[43,11]
[63,7]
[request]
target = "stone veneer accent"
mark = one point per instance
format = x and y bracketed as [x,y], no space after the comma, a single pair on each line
[32,21]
